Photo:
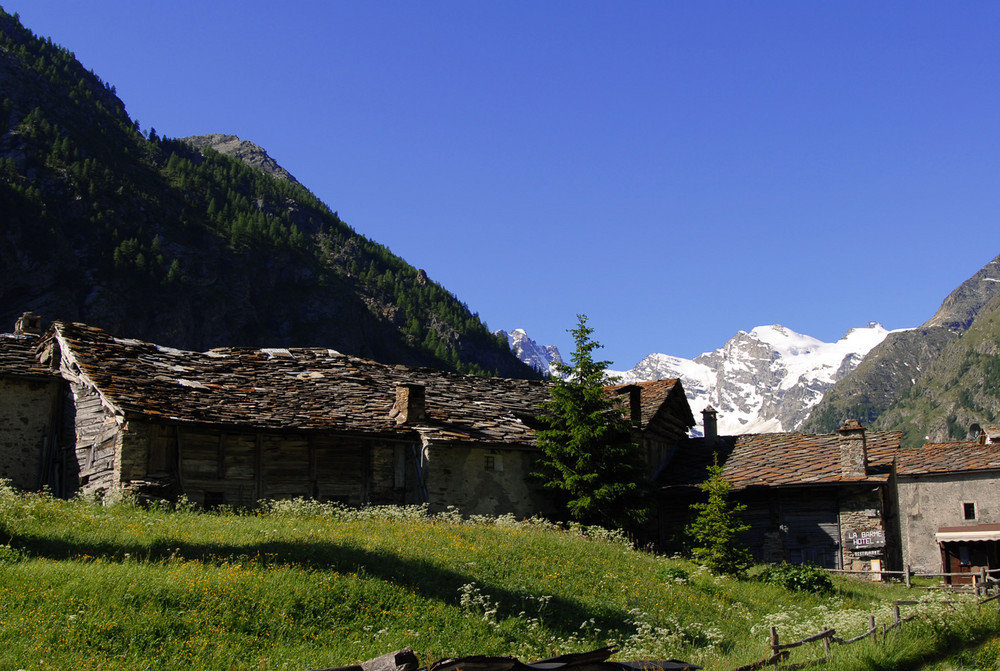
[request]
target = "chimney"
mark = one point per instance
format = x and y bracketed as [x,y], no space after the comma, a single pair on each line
[409,406]
[28,324]
[711,423]
[853,450]
[634,392]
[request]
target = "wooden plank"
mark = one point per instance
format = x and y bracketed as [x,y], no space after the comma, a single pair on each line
[259,466]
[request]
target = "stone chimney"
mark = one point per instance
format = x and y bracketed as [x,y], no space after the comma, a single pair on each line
[410,403]
[634,392]
[28,324]
[711,422]
[853,450]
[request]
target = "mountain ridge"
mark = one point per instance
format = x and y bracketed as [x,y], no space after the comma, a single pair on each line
[763,380]
[155,239]
[896,369]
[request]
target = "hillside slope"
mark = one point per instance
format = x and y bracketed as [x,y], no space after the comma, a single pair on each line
[961,386]
[304,585]
[916,364]
[156,239]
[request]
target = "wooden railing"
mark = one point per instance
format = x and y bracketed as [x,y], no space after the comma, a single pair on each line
[780,651]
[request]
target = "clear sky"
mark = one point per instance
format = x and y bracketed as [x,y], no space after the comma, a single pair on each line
[678,171]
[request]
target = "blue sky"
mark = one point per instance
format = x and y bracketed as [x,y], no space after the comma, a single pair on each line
[678,171]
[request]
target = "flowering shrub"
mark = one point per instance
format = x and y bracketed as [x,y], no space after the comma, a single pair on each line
[798,577]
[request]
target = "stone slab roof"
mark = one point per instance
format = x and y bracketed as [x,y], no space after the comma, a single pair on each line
[294,389]
[655,395]
[935,458]
[17,357]
[777,459]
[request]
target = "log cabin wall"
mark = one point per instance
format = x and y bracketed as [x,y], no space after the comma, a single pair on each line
[89,456]
[215,465]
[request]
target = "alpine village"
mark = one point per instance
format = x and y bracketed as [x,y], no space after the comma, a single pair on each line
[199,472]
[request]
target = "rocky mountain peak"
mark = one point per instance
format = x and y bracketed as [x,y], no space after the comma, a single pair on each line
[244,150]
[964,303]
[542,358]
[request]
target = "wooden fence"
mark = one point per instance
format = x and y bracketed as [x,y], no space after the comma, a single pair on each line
[979,579]
[780,651]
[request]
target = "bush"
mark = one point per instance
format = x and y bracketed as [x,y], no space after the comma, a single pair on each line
[798,577]
[9,555]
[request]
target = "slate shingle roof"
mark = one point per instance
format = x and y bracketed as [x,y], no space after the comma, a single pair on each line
[17,357]
[655,393]
[948,458]
[778,459]
[297,389]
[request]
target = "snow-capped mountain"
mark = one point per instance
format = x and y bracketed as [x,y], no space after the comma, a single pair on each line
[766,380]
[530,352]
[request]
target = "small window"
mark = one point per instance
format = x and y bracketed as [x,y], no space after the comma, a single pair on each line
[494,463]
[969,511]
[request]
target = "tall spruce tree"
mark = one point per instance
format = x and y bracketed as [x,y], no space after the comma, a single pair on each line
[589,461]
[716,526]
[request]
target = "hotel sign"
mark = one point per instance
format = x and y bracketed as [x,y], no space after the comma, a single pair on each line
[864,540]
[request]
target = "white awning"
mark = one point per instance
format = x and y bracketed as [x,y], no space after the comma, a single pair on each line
[967,535]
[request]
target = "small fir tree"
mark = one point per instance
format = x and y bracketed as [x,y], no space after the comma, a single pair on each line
[589,461]
[716,526]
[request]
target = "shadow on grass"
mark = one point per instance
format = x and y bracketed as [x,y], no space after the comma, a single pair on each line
[419,576]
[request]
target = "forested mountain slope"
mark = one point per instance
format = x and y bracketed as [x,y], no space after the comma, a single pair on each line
[155,239]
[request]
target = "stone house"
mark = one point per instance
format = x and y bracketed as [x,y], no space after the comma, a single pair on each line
[236,425]
[828,499]
[949,497]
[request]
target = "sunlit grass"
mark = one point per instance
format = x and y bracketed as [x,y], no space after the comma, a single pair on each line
[301,585]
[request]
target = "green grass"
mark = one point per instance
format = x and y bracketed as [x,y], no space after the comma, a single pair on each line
[302,585]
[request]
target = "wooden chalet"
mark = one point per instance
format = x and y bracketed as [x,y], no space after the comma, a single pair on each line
[828,499]
[232,426]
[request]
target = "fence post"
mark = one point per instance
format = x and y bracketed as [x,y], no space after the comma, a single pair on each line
[895,614]
[826,648]
[774,642]
[871,624]
[906,572]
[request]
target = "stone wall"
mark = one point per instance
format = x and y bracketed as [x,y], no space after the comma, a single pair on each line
[481,481]
[863,533]
[26,416]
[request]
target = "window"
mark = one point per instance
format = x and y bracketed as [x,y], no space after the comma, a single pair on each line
[969,511]
[494,463]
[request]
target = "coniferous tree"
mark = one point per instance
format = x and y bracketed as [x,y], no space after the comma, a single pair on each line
[589,461]
[715,528]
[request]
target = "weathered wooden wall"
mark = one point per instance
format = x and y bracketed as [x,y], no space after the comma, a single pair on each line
[214,466]
[89,457]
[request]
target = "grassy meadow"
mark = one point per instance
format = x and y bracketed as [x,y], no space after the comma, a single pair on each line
[300,585]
